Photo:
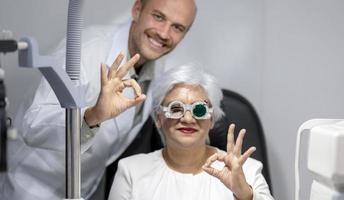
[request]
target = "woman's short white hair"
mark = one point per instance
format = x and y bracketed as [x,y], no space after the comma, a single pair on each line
[191,75]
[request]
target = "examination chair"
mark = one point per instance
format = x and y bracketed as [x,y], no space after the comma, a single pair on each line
[237,110]
[240,111]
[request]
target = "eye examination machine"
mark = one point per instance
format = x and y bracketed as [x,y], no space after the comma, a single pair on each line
[263,50]
[64,85]
[325,158]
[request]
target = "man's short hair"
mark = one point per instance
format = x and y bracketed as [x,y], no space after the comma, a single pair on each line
[143,2]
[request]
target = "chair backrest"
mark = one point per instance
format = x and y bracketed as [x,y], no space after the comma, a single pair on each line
[239,110]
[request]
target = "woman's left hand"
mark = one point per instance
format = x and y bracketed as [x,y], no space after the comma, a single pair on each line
[232,175]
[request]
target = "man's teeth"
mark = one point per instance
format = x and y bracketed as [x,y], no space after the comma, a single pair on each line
[155,43]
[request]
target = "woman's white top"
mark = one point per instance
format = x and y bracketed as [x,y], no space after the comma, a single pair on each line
[147,177]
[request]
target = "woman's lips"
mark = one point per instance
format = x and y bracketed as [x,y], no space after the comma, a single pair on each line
[187,130]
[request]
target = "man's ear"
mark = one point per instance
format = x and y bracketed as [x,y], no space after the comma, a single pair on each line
[136,10]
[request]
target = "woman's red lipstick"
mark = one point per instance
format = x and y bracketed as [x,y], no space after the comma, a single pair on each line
[187,130]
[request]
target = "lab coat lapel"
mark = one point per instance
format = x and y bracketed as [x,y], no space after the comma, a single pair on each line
[147,108]
[147,111]
[128,117]
[124,121]
[119,43]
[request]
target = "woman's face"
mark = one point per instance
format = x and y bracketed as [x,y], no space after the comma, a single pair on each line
[186,132]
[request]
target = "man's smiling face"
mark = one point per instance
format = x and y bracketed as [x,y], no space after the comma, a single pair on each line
[158,26]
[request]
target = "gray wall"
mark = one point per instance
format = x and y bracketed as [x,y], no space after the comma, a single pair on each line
[286,57]
[302,77]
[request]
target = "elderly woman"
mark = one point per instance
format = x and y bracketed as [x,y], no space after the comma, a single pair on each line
[187,104]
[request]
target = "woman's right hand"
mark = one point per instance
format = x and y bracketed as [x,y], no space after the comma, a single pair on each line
[232,174]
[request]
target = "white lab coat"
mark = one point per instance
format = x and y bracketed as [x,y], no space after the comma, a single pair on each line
[37,156]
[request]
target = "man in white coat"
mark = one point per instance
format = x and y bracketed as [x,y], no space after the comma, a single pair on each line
[36,159]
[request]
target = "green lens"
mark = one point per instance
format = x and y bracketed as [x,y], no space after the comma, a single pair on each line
[199,110]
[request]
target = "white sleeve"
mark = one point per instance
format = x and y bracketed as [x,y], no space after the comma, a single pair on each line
[121,188]
[260,187]
[87,135]
[42,124]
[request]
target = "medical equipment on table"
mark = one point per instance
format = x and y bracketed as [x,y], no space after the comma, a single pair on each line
[63,84]
[325,158]
[7,45]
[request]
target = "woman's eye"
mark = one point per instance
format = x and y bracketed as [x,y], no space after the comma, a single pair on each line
[175,109]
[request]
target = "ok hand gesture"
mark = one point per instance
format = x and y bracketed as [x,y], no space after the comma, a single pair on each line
[111,102]
[232,175]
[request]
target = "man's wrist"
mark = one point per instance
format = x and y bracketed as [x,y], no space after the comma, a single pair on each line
[91,119]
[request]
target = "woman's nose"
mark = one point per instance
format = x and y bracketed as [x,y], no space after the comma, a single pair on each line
[188,118]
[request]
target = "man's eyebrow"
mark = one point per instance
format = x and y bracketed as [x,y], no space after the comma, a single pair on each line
[164,16]
[181,26]
[159,12]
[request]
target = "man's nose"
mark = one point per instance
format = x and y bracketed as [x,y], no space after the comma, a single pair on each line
[164,31]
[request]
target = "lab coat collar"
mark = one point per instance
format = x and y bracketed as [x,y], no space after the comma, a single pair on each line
[119,43]
[146,73]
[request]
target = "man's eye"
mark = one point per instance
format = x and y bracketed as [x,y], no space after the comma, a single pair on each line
[179,29]
[158,17]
